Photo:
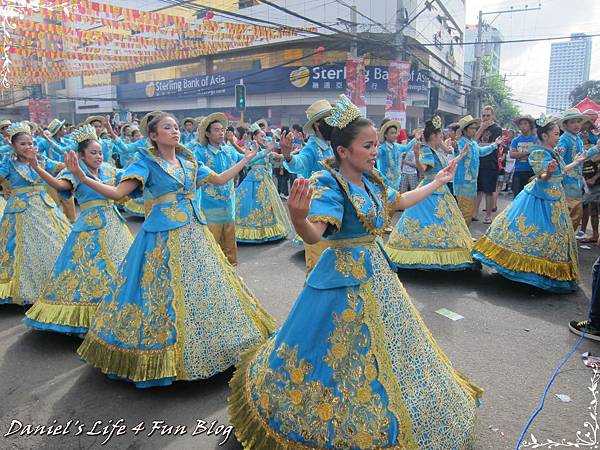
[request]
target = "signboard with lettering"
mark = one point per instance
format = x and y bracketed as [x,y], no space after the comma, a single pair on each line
[331,77]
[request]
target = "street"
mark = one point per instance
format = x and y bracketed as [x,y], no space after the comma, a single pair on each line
[509,342]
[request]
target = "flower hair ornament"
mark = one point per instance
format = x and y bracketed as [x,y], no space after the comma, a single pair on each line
[343,113]
[435,122]
[544,120]
[84,133]
[16,128]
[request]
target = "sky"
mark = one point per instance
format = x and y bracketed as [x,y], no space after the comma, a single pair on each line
[526,65]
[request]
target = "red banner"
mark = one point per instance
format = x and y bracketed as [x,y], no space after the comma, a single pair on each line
[398,76]
[40,111]
[356,82]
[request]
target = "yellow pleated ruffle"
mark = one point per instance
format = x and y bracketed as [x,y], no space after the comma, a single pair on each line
[72,315]
[517,262]
[442,257]
[5,289]
[251,429]
[134,365]
[260,234]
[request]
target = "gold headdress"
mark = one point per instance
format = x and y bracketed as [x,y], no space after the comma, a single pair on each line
[18,127]
[343,113]
[84,133]
[436,121]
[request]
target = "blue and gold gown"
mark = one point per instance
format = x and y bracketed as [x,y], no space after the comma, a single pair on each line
[33,231]
[432,235]
[259,212]
[532,240]
[88,262]
[176,310]
[354,365]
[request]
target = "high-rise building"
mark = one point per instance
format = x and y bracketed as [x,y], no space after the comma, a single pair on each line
[569,67]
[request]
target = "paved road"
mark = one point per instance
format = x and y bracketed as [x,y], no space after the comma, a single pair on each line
[509,341]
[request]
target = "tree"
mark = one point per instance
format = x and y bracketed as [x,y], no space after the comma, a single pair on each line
[497,94]
[589,89]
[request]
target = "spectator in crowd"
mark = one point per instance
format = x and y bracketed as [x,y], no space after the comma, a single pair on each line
[519,150]
[409,178]
[402,136]
[298,139]
[282,176]
[487,178]
[591,175]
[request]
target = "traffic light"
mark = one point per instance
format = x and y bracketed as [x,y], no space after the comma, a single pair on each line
[240,97]
[434,98]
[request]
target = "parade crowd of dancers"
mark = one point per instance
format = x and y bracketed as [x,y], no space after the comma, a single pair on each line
[353,365]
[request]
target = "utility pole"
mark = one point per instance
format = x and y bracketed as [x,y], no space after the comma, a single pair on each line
[477,67]
[354,28]
[399,38]
[479,52]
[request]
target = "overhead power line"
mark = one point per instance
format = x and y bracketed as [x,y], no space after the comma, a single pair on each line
[514,41]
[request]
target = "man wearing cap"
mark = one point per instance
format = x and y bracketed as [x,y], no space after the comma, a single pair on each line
[188,134]
[390,156]
[308,160]
[519,150]
[467,169]
[569,146]
[218,202]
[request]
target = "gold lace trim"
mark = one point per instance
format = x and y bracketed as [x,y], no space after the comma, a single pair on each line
[259,234]
[331,166]
[442,257]
[326,219]
[562,271]
[387,378]
[133,364]
[72,315]
[173,242]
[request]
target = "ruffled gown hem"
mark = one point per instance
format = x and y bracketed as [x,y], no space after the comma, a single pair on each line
[61,318]
[558,277]
[431,259]
[251,235]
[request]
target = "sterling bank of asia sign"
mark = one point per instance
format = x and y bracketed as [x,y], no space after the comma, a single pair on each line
[282,79]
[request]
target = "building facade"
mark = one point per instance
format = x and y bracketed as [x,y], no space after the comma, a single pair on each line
[282,78]
[569,67]
[491,49]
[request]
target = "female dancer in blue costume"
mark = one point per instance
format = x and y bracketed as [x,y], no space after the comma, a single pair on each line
[432,235]
[259,214]
[353,366]
[33,229]
[176,310]
[128,153]
[389,158]
[532,240]
[87,265]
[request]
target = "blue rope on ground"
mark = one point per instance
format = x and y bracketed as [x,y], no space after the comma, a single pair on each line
[540,406]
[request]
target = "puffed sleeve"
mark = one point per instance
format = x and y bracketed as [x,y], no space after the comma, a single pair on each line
[539,160]
[138,171]
[327,203]
[51,165]
[4,167]
[426,157]
[66,174]
[204,174]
